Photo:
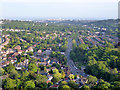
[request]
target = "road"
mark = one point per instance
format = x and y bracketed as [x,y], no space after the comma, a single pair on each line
[70,63]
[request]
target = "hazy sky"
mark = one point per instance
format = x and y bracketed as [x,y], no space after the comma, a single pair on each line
[82,9]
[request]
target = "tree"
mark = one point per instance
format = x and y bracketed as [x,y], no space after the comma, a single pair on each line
[32,67]
[9,83]
[74,43]
[71,76]
[29,84]
[73,84]
[50,83]
[56,65]
[116,84]
[62,74]
[10,67]
[45,69]
[14,74]
[30,53]
[103,85]
[114,71]
[25,76]
[65,87]
[51,71]
[55,71]
[18,83]
[43,85]
[92,79]
[40,79]
[1,71]
[56,77]
[63,83]
[75,76]
[85,87]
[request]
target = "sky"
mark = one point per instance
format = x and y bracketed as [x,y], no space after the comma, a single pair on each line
[69,9]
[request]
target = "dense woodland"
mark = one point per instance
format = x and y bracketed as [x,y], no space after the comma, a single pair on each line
[102,62]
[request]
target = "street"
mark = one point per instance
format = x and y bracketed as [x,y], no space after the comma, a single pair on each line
[70,63]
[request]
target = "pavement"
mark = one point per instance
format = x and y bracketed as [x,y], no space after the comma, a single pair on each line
[70,63]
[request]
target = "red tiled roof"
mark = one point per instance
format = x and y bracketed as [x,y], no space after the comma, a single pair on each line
[54,86]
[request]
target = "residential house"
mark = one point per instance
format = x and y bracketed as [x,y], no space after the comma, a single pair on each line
[18,68]
[49,79]
[15,54]
[20,51]
[4,54]
[4,58]
[22,64]
[17,47]
[54,86]
[39,52]
[13,61]
[29,49]
[9,51]
[4,64]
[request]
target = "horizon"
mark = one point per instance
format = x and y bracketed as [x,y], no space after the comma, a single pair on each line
[55,18]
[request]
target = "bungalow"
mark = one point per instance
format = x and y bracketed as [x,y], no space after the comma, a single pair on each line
[4,54]
[4,58]
[29,49]
[39,51]
[6,42]
[18,68]
[54,86]
[47,35]
[1,46]
[48,70]
[13,61]
[49,48]
[17,47]
[41,38]
[49,79]
[22,64]
[15,54]
[20,51]
[34,45]
[4,64]
[10,50]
